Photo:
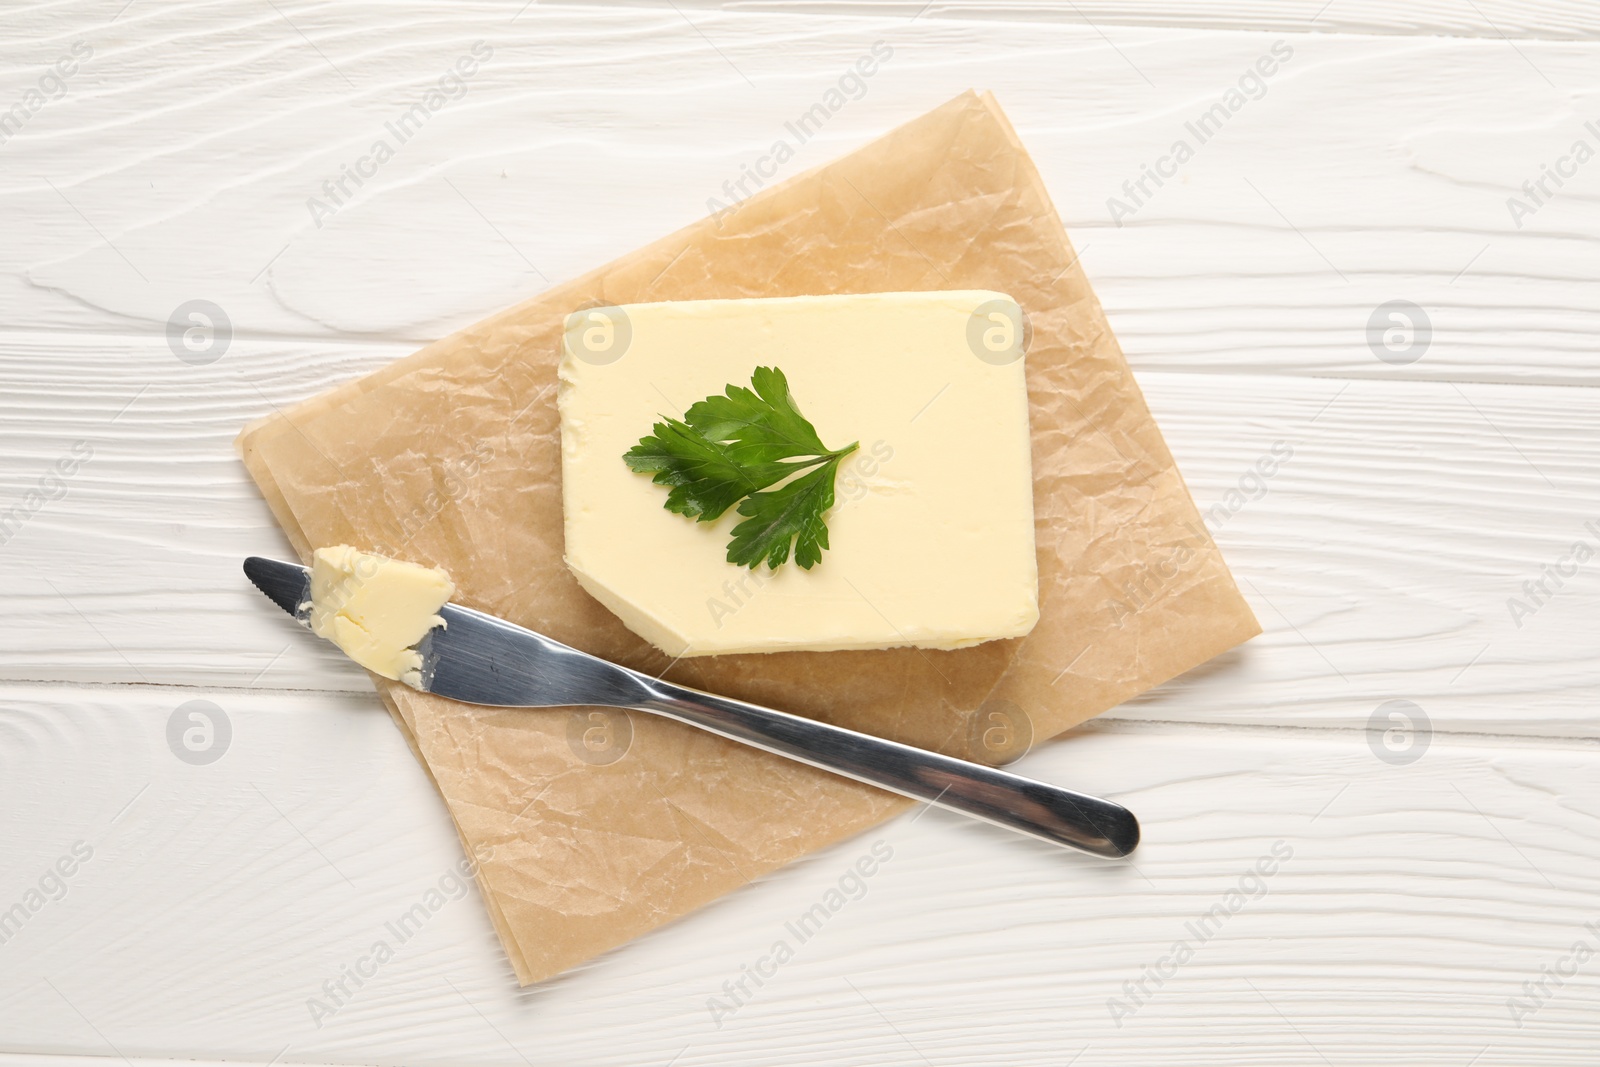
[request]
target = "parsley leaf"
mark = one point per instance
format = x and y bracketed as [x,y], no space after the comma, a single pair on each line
[735,447]
[791,513]
[705,481]
[760,426]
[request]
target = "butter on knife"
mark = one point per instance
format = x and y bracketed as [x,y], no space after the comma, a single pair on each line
[376,609]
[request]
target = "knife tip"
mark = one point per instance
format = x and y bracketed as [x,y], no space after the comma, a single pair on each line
[285,584]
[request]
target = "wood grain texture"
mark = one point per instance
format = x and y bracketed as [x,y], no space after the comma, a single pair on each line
[1407,505]
[223,896]
[1397,522]
[1504,19]
[1369,169]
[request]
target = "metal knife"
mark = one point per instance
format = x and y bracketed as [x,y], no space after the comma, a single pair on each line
[479,659]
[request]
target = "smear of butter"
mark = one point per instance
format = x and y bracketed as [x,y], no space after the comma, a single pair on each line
[377,609]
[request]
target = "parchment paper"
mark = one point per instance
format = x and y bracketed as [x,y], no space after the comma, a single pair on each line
[451,457]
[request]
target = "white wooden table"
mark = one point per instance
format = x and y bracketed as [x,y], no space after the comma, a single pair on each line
[1426,885]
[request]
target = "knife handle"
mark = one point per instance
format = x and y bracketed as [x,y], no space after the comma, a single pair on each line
[1037,809]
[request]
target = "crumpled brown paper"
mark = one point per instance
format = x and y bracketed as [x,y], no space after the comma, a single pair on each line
[451,457]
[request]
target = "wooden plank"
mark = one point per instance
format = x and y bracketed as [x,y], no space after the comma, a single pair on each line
[590,131]
[1503,19]
[1431,542]
[101,561]
[1380,553]
[234,889]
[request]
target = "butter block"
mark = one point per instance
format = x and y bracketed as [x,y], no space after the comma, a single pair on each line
[377,609]
[931,535]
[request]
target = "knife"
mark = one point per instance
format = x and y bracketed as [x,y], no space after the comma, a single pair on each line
[479,659]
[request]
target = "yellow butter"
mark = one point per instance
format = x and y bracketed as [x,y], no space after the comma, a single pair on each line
[932,532]
[376,609]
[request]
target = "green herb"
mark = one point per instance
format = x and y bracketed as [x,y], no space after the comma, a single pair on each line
[736,447]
